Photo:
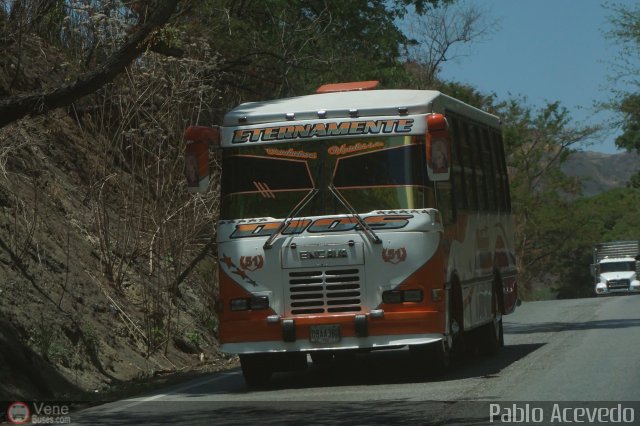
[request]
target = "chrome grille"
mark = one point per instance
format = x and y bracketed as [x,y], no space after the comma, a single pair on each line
[618,284]
[324,291]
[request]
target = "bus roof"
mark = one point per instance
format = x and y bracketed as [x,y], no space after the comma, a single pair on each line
[367,103]
[617,259]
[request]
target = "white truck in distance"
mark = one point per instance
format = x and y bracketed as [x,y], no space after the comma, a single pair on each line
[616,267]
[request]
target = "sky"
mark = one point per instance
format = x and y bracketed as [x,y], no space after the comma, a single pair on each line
[546,50]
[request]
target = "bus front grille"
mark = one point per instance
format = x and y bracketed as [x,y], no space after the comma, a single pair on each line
[324,291]
[618,284]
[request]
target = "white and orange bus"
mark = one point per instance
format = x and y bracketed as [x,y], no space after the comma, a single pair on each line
[355,220]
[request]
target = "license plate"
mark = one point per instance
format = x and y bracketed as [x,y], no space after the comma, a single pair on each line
[324,333]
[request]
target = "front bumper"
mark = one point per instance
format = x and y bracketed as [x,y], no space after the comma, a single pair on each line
[372,342]
[356,332]
[602,289]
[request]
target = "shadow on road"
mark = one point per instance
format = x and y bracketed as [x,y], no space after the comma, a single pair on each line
[553,327]
[381,368]
[385,368]
[290,413]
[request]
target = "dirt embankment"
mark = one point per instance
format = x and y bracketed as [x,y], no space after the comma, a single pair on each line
[68,328]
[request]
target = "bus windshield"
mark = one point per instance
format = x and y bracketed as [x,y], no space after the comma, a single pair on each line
[617,266]
[371,173]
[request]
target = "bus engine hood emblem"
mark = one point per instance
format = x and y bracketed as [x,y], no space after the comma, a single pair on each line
[251,263]
[394,255]
[323,254]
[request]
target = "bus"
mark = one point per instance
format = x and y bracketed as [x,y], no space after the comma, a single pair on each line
[358,219]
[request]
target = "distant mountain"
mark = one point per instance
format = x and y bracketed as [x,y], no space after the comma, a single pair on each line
[601,172]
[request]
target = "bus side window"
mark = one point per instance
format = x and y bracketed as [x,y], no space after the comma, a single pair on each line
[445,202]
[497,171]
[489,169]
[469,170]
[481,184]
[506,200]
[460,193]
[445,191]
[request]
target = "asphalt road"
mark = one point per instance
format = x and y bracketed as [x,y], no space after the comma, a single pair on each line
[558,354]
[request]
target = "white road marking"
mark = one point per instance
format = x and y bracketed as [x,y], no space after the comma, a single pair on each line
[138,401]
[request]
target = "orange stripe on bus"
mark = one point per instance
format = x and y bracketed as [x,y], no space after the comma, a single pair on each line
[404,318]
[238,326]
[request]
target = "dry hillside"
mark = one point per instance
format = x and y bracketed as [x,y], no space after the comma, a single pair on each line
[601,172]
[106,263]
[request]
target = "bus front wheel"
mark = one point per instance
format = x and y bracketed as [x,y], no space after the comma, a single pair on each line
[432,359]
[492,336]
[256,369]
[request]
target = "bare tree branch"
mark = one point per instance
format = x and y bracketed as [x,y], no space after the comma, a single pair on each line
[439,32]
[13,109]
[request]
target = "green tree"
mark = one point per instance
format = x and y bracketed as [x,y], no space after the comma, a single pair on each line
[270,49]
[609,216]
[537,142]
[470,95]
[625,20]
[630,137]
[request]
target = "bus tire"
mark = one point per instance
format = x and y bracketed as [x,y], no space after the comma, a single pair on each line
[440,354]
[321,358]
[256,369]
[432,359]
[492,334]
[456,319]
[345,357]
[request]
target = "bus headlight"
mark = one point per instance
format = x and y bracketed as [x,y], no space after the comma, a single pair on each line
[399,296]
[255,303]
[392,296]
[239,304]
[259,303]
[413,295]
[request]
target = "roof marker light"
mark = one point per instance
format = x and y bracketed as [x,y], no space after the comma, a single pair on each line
[348,87]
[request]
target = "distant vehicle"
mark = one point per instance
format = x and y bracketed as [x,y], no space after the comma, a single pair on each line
[616,267]
[354,220]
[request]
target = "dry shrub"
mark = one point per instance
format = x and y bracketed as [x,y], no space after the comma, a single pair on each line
[148,224]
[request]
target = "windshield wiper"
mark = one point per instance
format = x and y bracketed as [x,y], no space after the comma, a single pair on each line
[355,214]
[296,209]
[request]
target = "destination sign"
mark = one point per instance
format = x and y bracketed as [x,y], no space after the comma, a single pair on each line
[321,130]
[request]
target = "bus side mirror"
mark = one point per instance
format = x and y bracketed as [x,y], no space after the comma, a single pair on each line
[196,155]
[438,149]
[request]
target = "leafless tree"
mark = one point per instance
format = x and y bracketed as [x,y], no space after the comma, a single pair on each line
[438,34]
